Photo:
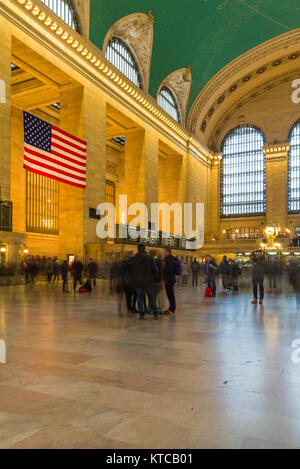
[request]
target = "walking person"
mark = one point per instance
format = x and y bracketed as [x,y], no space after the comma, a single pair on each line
[272,272]
[49,270]
[184,273]
[225,270]
[64,272]
[55,269]
[93,269]
[235,272]
[169,273]
[258,275]
[144,272]
[211,270]
[195,268]
[77,269]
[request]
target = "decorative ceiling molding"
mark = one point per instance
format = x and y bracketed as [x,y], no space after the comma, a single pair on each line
[136,31]
[180,83]
[259,61]
[90,62]
[220,129]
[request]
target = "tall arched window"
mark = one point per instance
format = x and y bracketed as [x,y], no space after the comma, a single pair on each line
[243,175]
[167,101]
[294,170]
[119,54]
[65,10]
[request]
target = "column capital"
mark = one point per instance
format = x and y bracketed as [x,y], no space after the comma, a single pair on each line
[278,151]
[215,158]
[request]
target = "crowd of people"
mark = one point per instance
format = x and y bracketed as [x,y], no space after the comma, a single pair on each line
[146,280]
[35,266]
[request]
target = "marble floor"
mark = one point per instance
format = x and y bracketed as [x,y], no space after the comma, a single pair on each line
[218,375]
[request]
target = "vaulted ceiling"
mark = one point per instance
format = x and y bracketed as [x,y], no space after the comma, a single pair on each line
[205,34]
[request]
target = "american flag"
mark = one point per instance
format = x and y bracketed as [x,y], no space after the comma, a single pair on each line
[53,153]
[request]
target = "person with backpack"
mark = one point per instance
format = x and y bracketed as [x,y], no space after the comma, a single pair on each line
[172,268]
[211,270]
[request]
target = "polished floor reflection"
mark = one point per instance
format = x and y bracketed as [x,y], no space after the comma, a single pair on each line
[218,375]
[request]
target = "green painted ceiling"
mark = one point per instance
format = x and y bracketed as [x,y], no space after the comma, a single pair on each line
[205,34]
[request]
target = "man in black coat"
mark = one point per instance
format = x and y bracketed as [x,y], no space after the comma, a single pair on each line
[195,268]
[143,273]
[77,269]
[258,275]
[169,273]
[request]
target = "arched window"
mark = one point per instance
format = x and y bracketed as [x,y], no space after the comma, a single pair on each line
[167,101]
[65,10]
[243,175]
[119,54]
[294,170]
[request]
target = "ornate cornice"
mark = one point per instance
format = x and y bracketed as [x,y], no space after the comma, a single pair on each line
[276,152]
[240,72]
[90,62]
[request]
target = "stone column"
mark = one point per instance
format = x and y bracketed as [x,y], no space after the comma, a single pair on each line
[83,114]
[214,193]
[141,168]
[5,108]
[276,183]
[172,184]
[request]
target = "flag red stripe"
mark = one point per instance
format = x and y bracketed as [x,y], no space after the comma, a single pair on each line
[53,160]
[76,147]
[60,147]
[80,163]
[57,170]
[68,135]
[42,173]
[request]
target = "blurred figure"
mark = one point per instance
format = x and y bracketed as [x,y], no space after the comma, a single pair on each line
[169,273]
[234,273]
[144,272]
[225,271]
[49,270]
[93,269]
[185,273]
[258,275]
[77,269]
[55,269]
[195,268]
[272,272]
[26,271]
[128,286]
[211,270]
[158,281]
[64,271]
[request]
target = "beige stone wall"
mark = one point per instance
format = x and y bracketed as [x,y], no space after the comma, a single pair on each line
[5,110]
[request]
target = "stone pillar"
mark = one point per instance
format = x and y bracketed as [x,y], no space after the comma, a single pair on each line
[213,212]
[141,168]
[71,199]
[172,184]
[95,135]
[83,114]
[5,108]
[276,183]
